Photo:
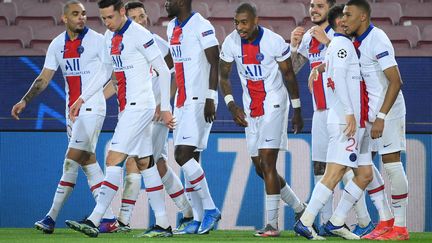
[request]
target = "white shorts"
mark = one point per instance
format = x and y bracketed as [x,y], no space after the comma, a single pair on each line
[351,152]
[268,131]
[83,134]
[320,136]
[191,128]
[393,138]
[133,133]
[160,141]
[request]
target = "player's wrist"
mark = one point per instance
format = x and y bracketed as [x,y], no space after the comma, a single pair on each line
[211,94]
[293,48]
[381,115]
[228,98]
[295,103]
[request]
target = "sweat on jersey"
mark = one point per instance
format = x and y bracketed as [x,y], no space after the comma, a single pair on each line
[188,40]
[257,66]
[79,60]
[376,54]
[315,51]
[345,82]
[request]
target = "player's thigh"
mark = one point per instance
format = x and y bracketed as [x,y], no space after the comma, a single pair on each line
[320,136]
[160,141]
[84,132]
[393,138]
[342,150]
[272,128]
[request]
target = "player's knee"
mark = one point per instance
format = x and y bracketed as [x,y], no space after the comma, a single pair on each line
[267,167]
[319,168]
[392,157]
[182,156]
[258,171]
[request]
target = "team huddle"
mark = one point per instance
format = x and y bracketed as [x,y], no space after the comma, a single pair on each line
[359,110]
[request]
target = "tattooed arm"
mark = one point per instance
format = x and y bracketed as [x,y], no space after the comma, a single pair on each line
[298,61]
[39,85]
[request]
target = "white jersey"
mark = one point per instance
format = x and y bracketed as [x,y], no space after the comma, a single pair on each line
[315,51]
[376,55]
[345,81]
[164,48]
[130,50]
[257,66]
[188,40]
[79,60]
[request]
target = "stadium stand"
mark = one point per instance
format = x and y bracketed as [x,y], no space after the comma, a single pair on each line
[8,12]
[419,14]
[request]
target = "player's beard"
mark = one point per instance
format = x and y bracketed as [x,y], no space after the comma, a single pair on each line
[321,21]
[78,31]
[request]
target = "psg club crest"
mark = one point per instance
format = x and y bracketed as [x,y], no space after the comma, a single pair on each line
[80,49]
[353,157]
[121,46]
[259,56]
[321,46]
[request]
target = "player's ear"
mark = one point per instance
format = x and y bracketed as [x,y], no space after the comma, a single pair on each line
[122,11]
[64,18]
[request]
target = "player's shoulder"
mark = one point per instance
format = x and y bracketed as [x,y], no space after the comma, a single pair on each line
[270,35]
[232,38]
[59,40]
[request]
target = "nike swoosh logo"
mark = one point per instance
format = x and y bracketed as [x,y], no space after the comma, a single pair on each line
[114,143]
[64,50]
[186,137]
[268,140]
[385,146]
[78,141]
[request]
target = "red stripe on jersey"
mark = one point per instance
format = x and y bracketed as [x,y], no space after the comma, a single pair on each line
[116,45]
[121,89]
[190,189]
[96,186]
[255,88]
[74,84]
[398,197]
[127,201]
[71,48]
[364,105]
[175,39]
[318,85]
[65,183]
[378,189]
[112,186]
[174,195]
[180,81]
[197,179]
[153,189]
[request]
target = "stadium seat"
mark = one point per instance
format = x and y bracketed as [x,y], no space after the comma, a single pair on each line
[96,26]
[386,13]
[9,47]
[42,37]
[8,12]
[33,13]
[403,35]
[425,44]
[295,12]
[160,31]
[221,33]
[21,33]
[92,11]
[419,14]
[153,11]
[201,8]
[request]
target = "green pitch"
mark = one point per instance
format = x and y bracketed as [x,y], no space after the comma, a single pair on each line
[226,236]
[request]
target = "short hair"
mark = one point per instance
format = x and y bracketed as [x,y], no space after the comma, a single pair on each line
[68,3]
[247,7]
[134,4]
[362,4]
[331,3]
[335,12]
[118,4]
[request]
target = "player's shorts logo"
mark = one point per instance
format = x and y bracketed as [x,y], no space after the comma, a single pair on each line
[353,157]
[80,49]
[259,56]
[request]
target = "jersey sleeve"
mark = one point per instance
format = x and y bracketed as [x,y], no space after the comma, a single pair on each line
[303,47]
[146,45]
[383,51]
[162,44]
[51,61]
[282,49]
[341,54]
[206,35]
[226,54]
[104,54]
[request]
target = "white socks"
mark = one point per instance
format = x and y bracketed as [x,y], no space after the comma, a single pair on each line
[363,217]
[377,194]
[175,190]
[107,192]
[65,187]
[194,200]
[156,196]
[399,191]
[327,209]
[350,196]
[290,198]
[320,196]
[132,187]
[272,209]
[95,177]
[196,177]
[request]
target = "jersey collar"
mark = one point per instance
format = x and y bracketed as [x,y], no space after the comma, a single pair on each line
[182,24]
[327,29]
[80,36]
[124,28]
[339,34]
[257,40]
[366,33]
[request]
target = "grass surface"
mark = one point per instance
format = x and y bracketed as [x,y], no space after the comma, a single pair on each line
[24,235]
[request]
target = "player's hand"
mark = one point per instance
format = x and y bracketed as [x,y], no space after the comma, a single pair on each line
[319,34]
[209,111]
[18,108]
[351,125]
[74,109]
[296,36]
[239,116]
[313,76]
[168,119]
[377,128]
[297,121]
[157,115]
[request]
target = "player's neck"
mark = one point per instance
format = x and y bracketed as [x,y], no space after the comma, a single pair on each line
[324,25]
[72,35]
[363,27]
[124,19]
[183,15]
[254,35]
